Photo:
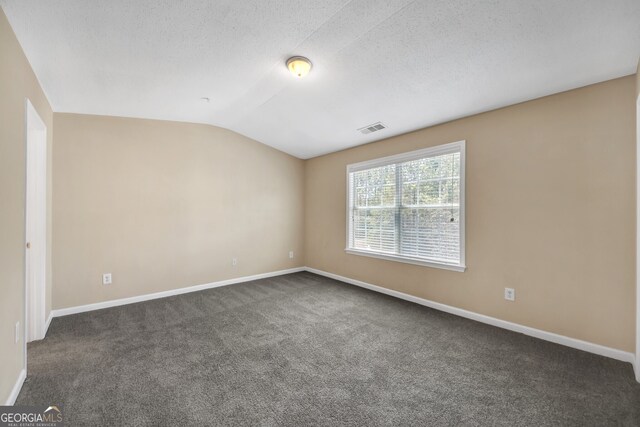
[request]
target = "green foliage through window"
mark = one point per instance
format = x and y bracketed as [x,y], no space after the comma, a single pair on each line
[409,208]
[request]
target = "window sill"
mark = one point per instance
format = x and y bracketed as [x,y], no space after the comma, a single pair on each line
[407,260]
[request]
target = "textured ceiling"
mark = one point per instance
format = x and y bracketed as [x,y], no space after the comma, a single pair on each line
[409,64]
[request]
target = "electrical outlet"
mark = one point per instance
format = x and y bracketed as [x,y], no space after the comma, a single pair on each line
[17,336]
[509,294]
[291,254]
[106,279]
[234,261]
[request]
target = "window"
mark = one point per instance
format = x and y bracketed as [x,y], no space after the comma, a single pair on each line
[409,207]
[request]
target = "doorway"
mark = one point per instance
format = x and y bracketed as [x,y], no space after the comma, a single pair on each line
[36,225]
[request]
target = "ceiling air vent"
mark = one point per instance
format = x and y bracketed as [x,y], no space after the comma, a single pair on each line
[372,128]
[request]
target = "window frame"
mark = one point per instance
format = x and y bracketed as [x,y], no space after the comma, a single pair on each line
[453,147]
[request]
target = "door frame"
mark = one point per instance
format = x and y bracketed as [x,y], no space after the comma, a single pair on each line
[637,361]
[35,226]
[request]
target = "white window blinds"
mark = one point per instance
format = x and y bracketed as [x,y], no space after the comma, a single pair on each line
[409,207]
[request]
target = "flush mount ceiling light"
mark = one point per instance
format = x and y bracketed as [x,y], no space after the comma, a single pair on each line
[299,66]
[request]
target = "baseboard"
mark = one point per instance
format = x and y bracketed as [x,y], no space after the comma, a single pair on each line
[131,300]
[16,388]
[515,327]
[526,330]
[46,326]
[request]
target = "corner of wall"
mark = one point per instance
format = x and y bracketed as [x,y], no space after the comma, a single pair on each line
[13,189]
[305,164]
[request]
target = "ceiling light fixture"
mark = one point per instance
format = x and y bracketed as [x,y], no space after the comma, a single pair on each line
[299,66]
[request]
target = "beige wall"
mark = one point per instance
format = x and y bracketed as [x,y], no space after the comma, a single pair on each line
[17,82]
[164,205]
[550,199]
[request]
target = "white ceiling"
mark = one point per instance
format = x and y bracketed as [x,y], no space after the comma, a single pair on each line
[409,64]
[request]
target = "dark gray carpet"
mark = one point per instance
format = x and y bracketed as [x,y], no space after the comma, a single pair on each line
[305,350]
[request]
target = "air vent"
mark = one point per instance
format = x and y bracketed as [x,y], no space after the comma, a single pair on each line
[372,128]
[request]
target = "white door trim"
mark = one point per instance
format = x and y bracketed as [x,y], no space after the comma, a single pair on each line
[35,225]
[637,364]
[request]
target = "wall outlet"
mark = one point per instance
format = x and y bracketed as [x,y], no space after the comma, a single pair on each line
[291,254]
[234,261]
[17,336]
[106,279]
[509,294]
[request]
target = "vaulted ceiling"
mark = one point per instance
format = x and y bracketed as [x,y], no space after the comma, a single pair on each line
[408,64]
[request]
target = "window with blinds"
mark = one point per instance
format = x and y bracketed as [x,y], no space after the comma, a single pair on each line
[409,207]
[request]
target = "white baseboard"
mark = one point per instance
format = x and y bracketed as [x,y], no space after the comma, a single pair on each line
[46,326]
[526,330]
[16,388]
[123,301]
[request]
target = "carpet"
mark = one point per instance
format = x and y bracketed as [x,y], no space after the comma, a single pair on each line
[302,349]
